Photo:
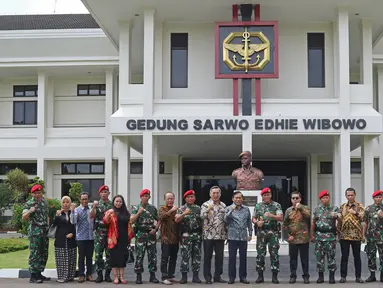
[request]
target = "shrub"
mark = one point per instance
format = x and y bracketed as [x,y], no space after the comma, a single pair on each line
[18,182]
[5,200]
[17,223]
[12,245]
[54,205]
[75,192]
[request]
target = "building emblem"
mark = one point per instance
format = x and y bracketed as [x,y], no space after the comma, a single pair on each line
[252,54]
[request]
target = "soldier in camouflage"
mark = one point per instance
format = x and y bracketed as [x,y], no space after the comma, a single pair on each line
[189,217]
[373,231]
[144,215]
[266,216]
[324,233]
[37,212]
[101,234]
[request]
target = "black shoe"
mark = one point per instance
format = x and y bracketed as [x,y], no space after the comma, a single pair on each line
[208,281]
[293,279]
[139,278]
[372,278]
[231,281]
[219,280]
[332,277]
[184,278]
[342,280]
[35,279]
[320,278]
[359,280]
[381,277]
[260,277]
[244,281]
[107,276]
[42,277]
[196,278]
[306,279]
[153,278]
[274,278]
[99,278]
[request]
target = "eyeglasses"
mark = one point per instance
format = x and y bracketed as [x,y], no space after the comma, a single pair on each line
[295,198]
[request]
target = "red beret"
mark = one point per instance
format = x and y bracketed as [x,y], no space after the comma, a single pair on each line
[323,193]
[144,192]
[103,187]
[36,187]
[189,192]
[376,193]
[265,190]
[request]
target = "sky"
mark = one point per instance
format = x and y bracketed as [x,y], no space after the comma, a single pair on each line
[13,7]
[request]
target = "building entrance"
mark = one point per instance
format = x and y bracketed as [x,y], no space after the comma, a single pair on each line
[282,177]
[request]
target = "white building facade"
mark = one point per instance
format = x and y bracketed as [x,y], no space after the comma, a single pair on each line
[76,100]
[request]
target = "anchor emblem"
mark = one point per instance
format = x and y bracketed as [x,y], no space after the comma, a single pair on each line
[246,51]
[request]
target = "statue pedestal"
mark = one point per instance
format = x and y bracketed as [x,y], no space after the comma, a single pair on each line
[251,198]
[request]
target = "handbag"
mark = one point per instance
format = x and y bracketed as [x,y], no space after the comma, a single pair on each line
[129,254]
[52,231]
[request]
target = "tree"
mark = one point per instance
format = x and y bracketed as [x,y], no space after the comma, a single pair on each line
[75,191]
[17,182]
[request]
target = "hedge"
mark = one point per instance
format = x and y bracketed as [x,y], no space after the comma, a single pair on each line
[12,245]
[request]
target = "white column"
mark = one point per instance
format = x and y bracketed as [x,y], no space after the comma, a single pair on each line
[148,161]
[380,101]
[41,168]
[156,179]
[149,69]
[123,167]
[335,168]
[345,166]
[366,53]
[367,167]
[176,179]
[42,83]
[158,60]
[314,181]
[247,141]
[109,87]
[124,55]
[343,61]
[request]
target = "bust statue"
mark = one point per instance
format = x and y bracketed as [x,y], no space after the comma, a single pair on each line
[247,177]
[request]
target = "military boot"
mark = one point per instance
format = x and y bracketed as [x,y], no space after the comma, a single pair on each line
[372,278]
[35,279]
[153,278]
[260,277]
[42,277]
[196,278]
[320,278]
[107,276]
[381,277]
[332,277]
[139,278]
[99,278]
[184,278]
[274,278]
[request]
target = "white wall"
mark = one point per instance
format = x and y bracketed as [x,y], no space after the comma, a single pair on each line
[292,82]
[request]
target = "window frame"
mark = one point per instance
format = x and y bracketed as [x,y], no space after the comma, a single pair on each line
[82,163]
[324,167]
[83,179]
[140,167]
[36,90]
[185,48]
[24,103]
[323,50]
[101,87]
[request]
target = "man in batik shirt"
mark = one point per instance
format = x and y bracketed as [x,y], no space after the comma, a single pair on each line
[296,226]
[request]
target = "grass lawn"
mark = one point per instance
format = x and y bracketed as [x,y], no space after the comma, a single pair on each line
[19,259]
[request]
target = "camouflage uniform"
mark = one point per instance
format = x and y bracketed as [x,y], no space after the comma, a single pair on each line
[325,236]
[374,236]
[144,240]
[101,236]
[37,234]
[267,235]
[191,237]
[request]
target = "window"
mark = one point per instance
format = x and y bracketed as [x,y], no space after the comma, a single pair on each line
[316,60]
[355,167]
[25,91]
[137,168]
[28,168]
[179,60]
[24,112]
[91,90]
[82,168]
[90,186]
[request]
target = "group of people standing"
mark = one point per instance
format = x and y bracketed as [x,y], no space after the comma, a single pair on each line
[107,228]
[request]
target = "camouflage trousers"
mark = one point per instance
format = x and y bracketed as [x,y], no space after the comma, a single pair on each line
[371,248]
[38,249]
[145,242]
[270,239]
[323,248]
[191,248]
[101,246]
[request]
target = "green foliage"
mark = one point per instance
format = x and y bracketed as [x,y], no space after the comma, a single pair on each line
[17,223]
[53,205]
[35,181]
[75,192]
[12,245]
[17,181]
[5,200]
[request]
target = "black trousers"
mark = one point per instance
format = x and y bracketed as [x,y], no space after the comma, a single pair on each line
[208,247]
[85,250]
[303,250]
[169,254]
[345,249]
[235,245]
